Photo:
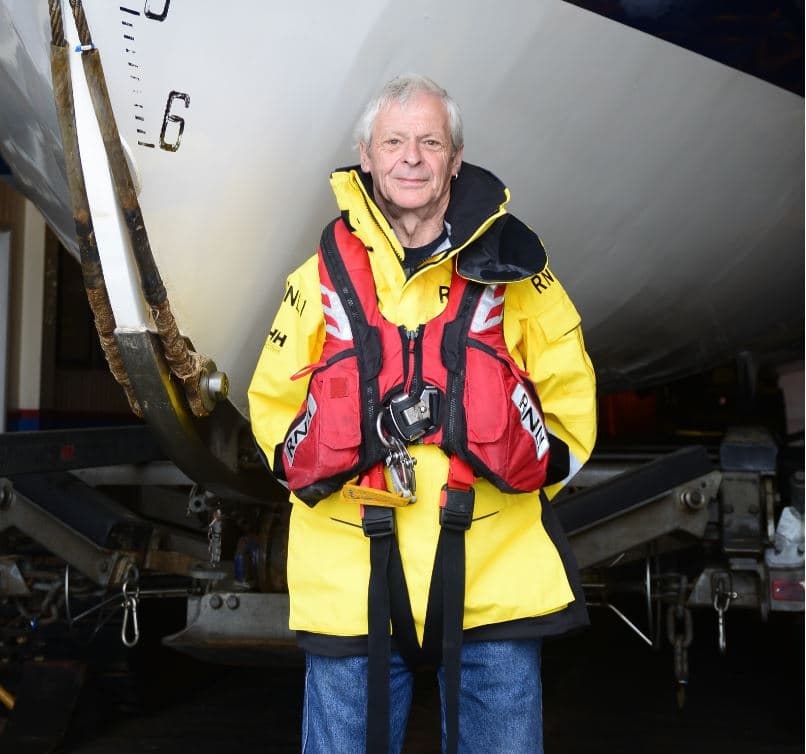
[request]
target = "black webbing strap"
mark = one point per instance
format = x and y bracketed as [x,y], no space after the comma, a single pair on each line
[388,602]
[379,526]
[432,634]
[453,588]
[456,515]
[402,619]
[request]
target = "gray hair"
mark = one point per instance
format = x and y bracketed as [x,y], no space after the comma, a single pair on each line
[400,89]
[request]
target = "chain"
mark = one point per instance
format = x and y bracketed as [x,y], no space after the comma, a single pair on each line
[680,632]
[214,530]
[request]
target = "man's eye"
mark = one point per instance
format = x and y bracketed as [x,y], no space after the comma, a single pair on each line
[393,142]
[431,143]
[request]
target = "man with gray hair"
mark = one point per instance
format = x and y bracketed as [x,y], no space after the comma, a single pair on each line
[426,401]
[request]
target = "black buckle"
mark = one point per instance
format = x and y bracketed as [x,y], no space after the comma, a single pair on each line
[378,521]
[456,513]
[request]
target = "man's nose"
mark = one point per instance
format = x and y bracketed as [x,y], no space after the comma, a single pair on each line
[411,154]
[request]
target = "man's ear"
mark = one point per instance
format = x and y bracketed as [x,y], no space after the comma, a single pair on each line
[456,162]
[364,154]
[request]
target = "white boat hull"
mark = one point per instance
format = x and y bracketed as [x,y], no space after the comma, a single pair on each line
[667,187]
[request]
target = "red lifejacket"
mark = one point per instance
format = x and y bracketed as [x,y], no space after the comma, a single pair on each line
[487,410]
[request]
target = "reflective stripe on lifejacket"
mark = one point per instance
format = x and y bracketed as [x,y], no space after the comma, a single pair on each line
[490,415]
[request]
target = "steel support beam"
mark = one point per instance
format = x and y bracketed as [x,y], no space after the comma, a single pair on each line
[666,514]
[55,450]
[104,567]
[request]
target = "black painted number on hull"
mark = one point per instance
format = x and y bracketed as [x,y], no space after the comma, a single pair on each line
[172,146]
[157,15]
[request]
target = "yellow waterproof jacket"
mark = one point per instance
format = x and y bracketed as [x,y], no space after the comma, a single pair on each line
[521,579]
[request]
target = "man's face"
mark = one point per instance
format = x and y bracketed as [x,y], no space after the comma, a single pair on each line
[410,157]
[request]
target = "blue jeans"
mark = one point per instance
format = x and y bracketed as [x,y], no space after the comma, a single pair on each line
[500,705]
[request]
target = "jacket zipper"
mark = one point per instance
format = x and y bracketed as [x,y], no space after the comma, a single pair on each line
[378,225]
[410,358]
[453,409]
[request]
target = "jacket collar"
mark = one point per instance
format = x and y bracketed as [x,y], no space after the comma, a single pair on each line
[490,245]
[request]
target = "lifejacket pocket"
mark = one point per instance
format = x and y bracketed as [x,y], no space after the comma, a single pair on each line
[505,428]
[317,446]
[339,383]
[484,397]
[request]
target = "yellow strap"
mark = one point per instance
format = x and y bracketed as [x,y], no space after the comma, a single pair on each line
[7,698]
[357,493]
